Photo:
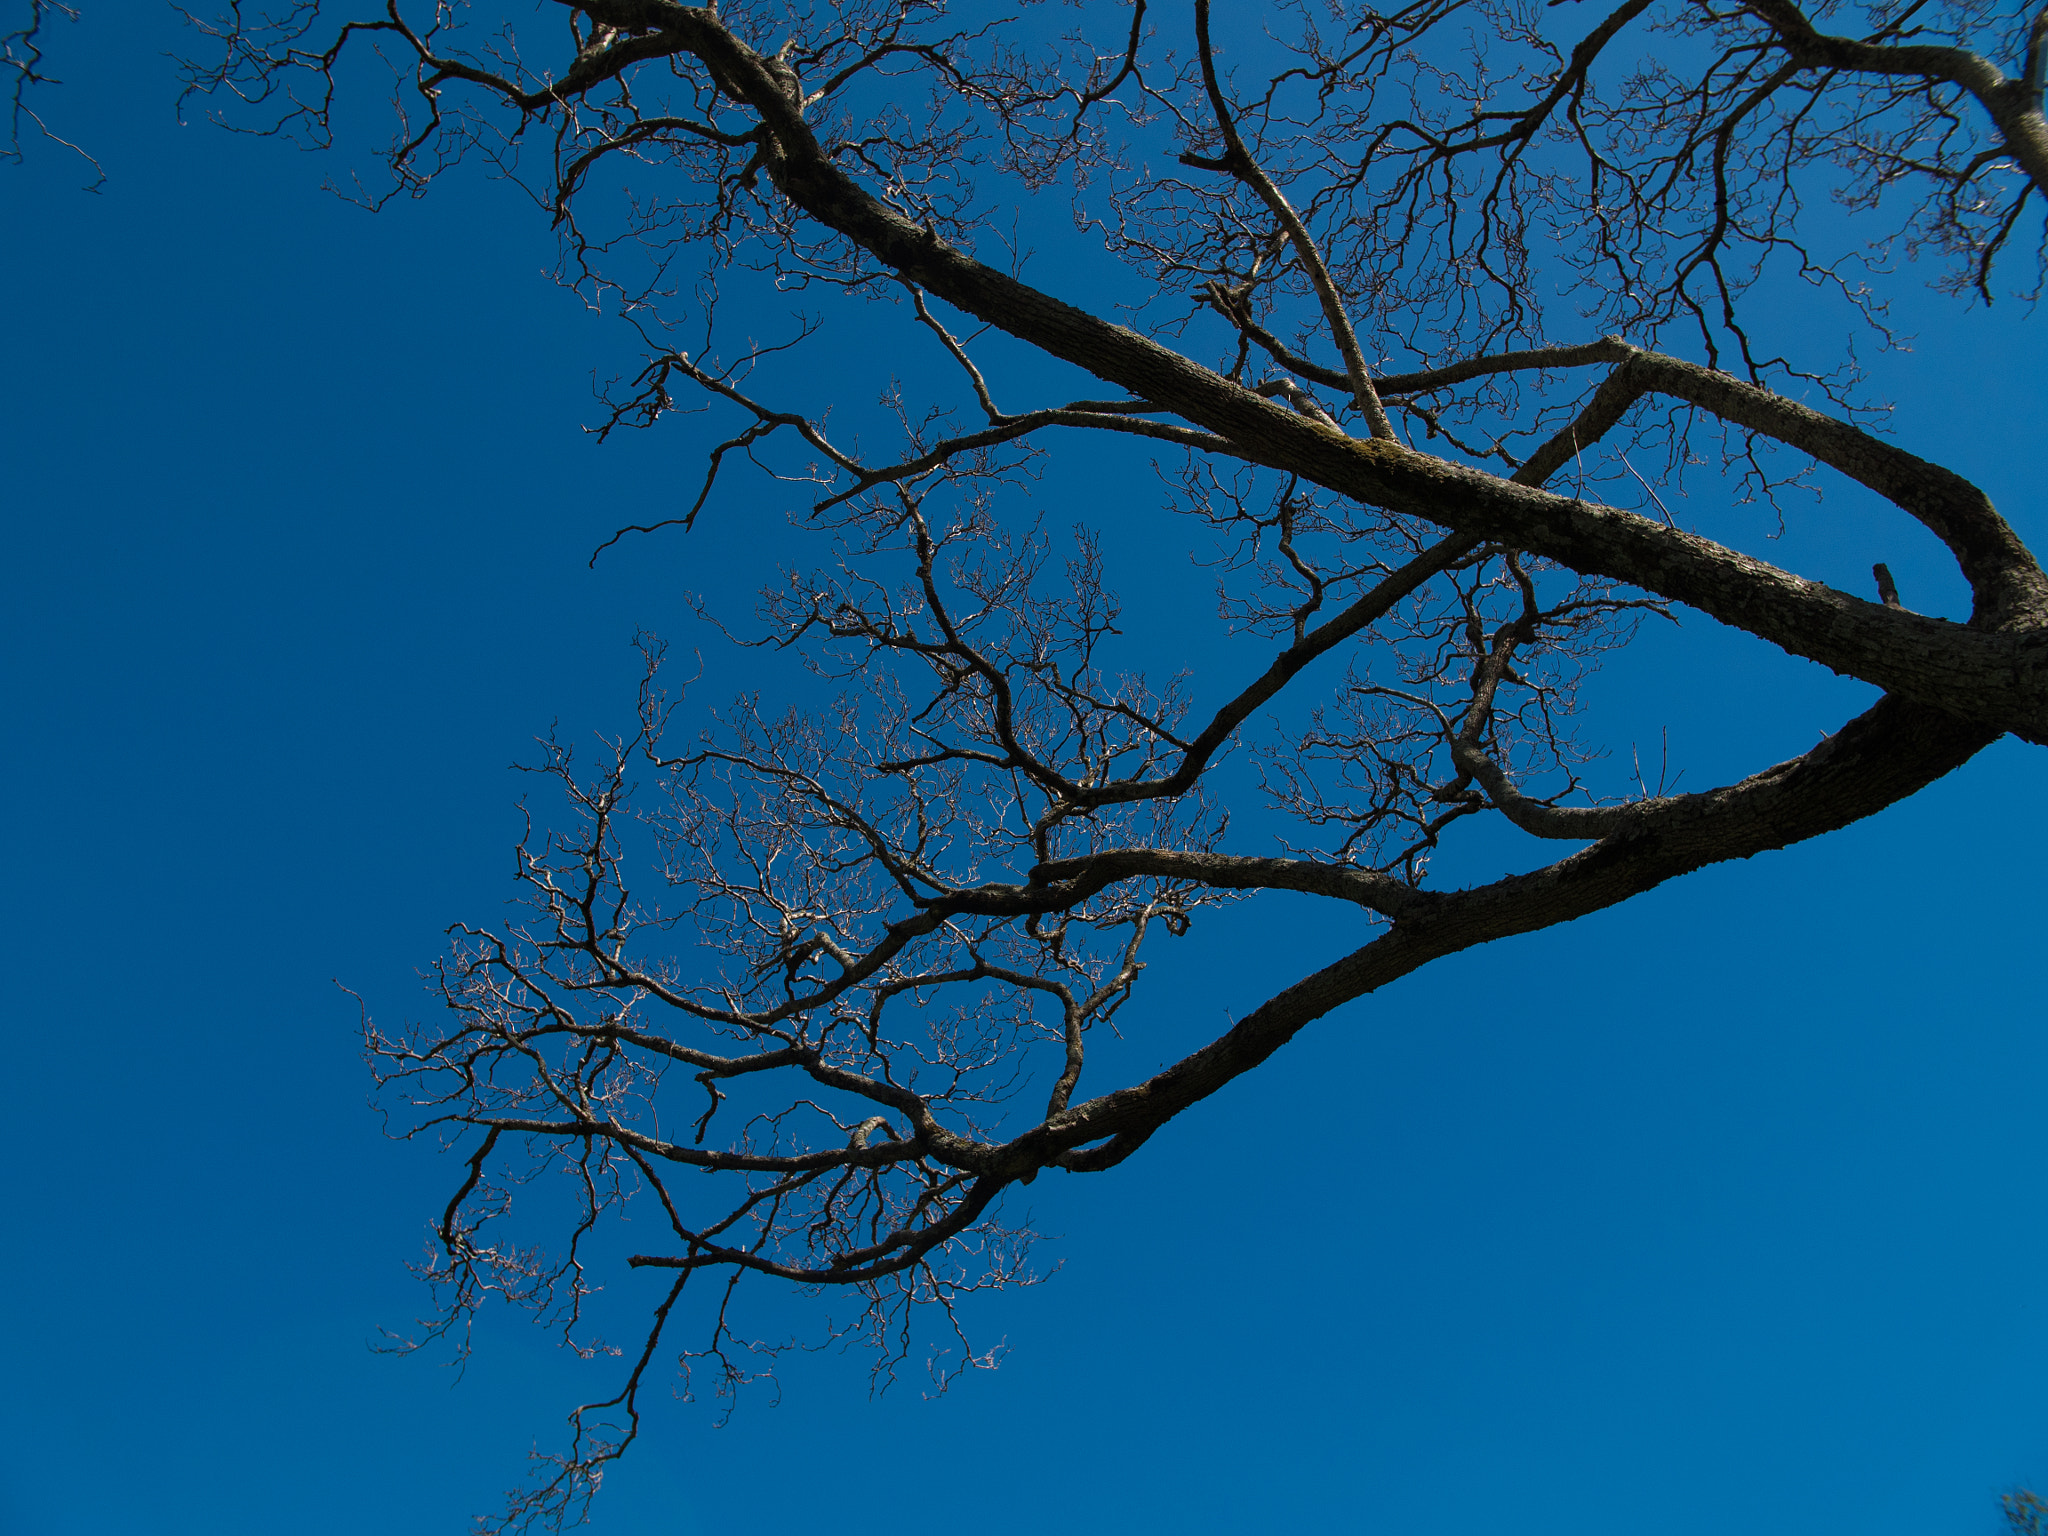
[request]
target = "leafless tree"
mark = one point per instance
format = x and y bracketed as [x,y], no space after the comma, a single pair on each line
[1370,283]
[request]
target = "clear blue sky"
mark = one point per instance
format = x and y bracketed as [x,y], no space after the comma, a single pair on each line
[1723,1211]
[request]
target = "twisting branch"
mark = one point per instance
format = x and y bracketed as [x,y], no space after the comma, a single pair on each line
[21,61]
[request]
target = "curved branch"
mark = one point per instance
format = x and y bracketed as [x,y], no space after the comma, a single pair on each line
[2013,105]
[1238,161]
[1891,751]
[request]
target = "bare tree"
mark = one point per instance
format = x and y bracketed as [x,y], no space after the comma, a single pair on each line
[1372,281]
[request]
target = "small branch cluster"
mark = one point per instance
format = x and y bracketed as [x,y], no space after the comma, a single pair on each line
[21,65]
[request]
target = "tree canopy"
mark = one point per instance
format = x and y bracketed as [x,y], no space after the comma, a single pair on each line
[1431,321]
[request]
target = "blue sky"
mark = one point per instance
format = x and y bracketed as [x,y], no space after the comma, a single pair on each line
[1723,1210]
